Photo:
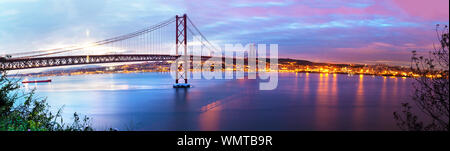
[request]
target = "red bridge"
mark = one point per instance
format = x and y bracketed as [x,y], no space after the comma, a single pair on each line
[164,41]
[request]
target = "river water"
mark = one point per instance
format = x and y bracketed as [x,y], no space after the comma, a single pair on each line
[302,101]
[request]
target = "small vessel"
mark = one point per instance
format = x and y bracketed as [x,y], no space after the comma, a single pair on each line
[181,85]
[37,81]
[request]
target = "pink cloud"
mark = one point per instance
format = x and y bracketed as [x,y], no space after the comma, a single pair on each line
[426,9]
[389,31]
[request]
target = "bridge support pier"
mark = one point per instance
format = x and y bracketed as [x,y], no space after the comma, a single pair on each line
[181,41]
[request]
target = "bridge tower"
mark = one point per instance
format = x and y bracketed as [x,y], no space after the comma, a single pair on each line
[181,44]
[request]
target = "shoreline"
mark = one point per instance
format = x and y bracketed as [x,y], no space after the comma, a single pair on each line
[128,72]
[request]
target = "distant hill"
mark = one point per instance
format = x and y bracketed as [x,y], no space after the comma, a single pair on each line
[301,62]
[309,63]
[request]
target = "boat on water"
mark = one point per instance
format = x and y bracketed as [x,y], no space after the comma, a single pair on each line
[181,85]
[37,81]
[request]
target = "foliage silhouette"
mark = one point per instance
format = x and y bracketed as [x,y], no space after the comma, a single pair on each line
[431,89]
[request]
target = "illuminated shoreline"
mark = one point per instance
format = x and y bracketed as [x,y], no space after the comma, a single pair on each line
[283,67]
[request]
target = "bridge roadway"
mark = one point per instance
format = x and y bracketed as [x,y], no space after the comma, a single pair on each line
[42,62]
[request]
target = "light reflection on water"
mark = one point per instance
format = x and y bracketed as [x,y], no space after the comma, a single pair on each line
[302,101]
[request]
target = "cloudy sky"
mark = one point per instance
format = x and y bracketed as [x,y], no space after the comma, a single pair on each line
[342,31]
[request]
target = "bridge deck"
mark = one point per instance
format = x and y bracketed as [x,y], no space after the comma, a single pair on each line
[40,62]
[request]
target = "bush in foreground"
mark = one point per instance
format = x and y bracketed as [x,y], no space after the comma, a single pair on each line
[431,89]
[22,111]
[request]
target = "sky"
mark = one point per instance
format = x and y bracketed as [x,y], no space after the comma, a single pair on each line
[336,31]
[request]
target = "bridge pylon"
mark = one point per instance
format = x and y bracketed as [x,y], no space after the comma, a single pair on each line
[181,45]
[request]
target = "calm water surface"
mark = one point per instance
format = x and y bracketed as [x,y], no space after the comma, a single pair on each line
[147,101]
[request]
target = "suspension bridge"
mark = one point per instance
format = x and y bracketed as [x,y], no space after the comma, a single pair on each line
[167,40]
